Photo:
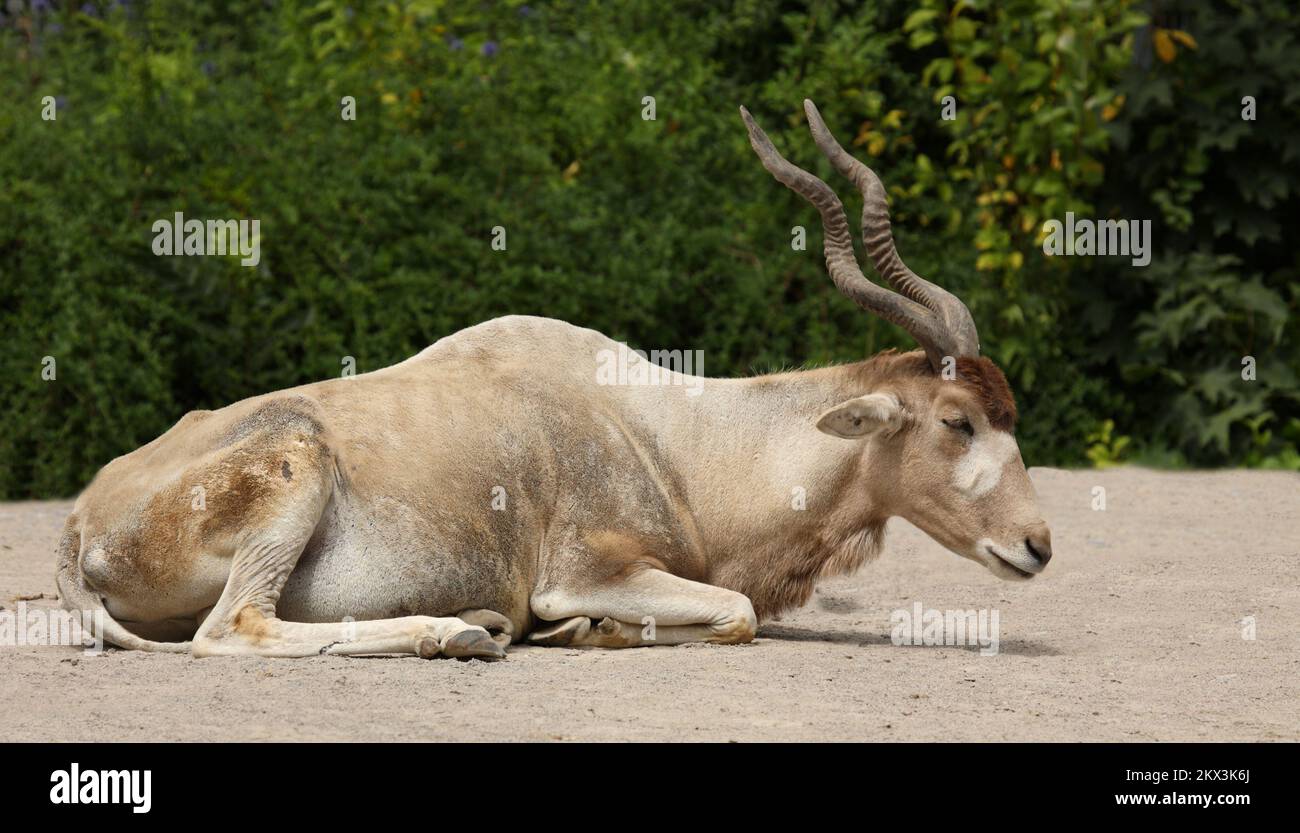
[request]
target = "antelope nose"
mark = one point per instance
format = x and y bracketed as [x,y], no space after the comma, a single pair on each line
[1039,544]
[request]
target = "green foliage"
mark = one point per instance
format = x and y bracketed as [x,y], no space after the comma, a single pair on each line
[1205,325]
[375,233]
[1104,447]
[1224,282]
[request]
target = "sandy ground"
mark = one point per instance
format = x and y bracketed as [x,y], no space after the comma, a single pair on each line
[1134,633]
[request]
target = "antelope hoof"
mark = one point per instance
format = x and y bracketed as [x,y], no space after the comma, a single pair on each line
[501,628]
[567,632]
[474,642]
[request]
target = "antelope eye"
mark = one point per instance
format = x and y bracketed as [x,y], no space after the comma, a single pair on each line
[961,424]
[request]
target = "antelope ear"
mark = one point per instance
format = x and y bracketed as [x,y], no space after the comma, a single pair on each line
[857,418]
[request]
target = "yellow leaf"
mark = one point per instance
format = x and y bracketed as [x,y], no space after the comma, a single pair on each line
[1111,111]
[1017,260]
[571,172]
[1183,38]
[389,98]
[876,146]
[894,119]
[1164,45]
[1056,160]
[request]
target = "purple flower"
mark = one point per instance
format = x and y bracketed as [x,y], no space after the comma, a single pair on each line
[60,102]
[40,5]
[525,11]
[208,68]
[490,48]
[89,9]
[455,44]
[54,28]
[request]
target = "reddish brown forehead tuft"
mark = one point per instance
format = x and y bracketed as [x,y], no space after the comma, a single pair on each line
[979,376]
[985,379]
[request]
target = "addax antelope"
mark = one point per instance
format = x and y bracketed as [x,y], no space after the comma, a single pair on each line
[488,490]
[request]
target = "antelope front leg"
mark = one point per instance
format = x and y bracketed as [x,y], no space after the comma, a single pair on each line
[649,607]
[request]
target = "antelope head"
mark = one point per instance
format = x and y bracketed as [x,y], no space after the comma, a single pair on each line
[937,429]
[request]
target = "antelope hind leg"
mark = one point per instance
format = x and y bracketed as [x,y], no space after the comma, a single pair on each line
[273,532]
[243,622]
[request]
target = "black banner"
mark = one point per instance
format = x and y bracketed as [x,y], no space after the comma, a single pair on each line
[138,783]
